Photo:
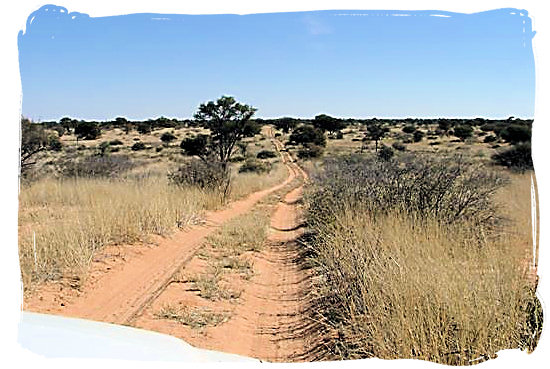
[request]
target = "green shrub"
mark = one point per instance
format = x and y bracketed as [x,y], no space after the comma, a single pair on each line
[167,137]
[95,166]
[310,151]
[409,128]
[138,146]
[418,136]
[210,176]
[517,157]
[266,154]
[385,152]
[399,146]
[255,166]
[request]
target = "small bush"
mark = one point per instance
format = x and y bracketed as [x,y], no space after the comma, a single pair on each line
[446,189]
[418,136]
[489,139]
[517,157]
[463,131]
[266,154]
[96,166]
[116,142]
[409,129]
[138,146]
[310,151]
[210,176]
[385,152]
[255,166]
[167,137]
[399,146]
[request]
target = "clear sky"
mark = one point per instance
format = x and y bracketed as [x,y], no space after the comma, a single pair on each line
[341,63]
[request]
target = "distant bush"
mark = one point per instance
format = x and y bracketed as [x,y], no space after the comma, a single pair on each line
[418,136]
[167,137]
[144,128]
[210,176]
[339,135]
[399,146]
[307,134]
[237,158]
[255,166]
[517,157]
[266,154]
[96,166]
[87,130]
[463,131]
[310,151]
[138,146]
[116,142]
[515,133]
[409,129]
[385,152]
[489,139]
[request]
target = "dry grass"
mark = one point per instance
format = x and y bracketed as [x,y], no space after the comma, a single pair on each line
[192,317]
[71,219]
[244,233]
[211,287]
[246,183]
[68,220]
[454,294]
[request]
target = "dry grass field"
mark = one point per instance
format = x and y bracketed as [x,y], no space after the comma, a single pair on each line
[63,220]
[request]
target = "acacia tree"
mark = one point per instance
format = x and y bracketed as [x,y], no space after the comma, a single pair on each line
[34,140]
[328,123]
[375,132]
[228,122]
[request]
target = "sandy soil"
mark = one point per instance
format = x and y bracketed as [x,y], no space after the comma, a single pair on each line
[268,320]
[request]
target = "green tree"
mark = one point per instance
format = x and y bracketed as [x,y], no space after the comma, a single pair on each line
[34,140]
[285,124]
[516,133]
[87,130]
[144,128]
[517,157]
[229,122]
[68,123]
[463,131]
[375,132]
[308,134]
[327,123]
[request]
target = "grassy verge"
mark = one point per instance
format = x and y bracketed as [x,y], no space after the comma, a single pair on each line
[398,283]
[63,222]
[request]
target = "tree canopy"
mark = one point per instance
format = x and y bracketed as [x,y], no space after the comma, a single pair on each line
[228,121]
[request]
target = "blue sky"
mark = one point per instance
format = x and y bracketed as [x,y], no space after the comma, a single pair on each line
[342,63]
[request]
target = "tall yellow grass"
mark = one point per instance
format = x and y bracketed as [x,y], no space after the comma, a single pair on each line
[63,222]
[453,294]
[66,221]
